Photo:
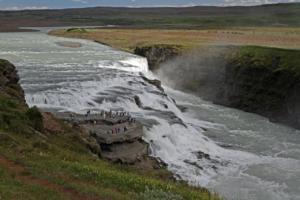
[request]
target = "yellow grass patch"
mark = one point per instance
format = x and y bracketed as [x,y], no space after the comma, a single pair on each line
[128,39]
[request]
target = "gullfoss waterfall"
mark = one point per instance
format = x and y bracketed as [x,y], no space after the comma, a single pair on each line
[237,154]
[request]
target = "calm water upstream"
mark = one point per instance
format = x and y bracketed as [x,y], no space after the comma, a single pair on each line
[249,157]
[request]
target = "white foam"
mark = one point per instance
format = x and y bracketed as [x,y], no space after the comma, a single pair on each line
[140,63]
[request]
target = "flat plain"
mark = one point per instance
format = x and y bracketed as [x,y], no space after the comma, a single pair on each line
[128,39]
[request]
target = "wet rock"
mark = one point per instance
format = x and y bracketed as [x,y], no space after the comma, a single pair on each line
[158,54]
[194,164]
[201,155]
[155,82]
[204,129]
[138,101]
[168,115]
[125,153]
[182,108]
[226,146]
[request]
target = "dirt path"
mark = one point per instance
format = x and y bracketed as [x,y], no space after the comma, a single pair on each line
[27,179]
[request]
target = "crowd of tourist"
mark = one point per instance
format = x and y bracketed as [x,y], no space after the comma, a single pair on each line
[120,116]
[114,114]
[118,130]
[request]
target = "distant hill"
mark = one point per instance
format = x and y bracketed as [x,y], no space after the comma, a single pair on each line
[287,14]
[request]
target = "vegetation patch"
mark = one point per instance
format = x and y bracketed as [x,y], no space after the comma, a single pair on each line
[272,58]
[76,30]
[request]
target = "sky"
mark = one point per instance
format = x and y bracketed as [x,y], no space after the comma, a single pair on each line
[47,4]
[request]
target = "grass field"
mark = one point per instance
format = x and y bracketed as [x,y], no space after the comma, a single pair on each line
[128,39]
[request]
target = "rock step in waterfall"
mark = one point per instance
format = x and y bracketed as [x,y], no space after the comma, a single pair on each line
[119,136]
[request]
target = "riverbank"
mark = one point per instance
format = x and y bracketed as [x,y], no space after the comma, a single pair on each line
[185,40]
[42,157]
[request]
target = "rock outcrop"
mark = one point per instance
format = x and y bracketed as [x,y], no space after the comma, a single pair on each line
[155,82]
[9,81]
[117,140]
[8,73]
[268,85]
[15,115]
[158,54]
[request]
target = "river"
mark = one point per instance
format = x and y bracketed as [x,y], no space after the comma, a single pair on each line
[241,156]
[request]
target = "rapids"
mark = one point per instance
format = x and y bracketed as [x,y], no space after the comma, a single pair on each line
[241,156]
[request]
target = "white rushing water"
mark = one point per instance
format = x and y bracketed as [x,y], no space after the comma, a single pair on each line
[242,156]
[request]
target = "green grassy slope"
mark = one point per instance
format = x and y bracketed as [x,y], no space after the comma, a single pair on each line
[266,57]
[35,164]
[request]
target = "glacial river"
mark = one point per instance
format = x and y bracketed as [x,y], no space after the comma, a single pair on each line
[241,156]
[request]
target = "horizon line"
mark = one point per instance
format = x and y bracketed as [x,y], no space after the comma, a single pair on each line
[44,8]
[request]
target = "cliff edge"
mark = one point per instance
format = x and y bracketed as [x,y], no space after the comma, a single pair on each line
[265,81]
[255,79]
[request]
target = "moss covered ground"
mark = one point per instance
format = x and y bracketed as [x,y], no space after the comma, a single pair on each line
[272,58]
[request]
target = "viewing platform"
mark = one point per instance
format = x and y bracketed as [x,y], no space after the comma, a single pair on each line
[118,134]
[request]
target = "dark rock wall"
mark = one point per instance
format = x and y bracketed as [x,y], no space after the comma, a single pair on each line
[9,81]
[8,73]
[157,54]
[268,91]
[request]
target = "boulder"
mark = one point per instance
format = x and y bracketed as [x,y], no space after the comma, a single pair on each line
[9,81]
[125,153]
[8,74]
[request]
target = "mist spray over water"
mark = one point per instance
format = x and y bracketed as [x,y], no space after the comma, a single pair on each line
[201,71]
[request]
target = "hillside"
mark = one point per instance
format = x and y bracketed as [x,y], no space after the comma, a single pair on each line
[39,160]
[280,15]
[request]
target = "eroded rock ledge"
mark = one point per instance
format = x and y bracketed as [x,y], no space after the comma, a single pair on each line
[125,146]
[9,81]
[158,54]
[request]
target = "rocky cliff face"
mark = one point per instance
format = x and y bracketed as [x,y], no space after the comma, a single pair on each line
[15,116]
[260,80]
[158,54]
[267,84]
[9,81]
